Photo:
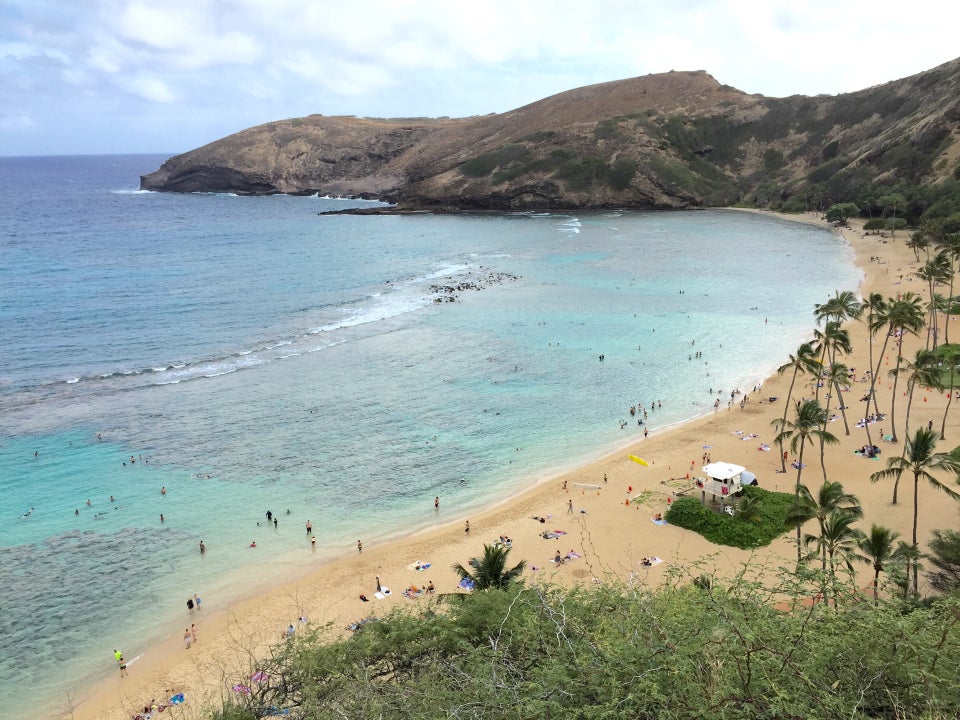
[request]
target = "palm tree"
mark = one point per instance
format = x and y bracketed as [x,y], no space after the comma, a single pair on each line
[808,424]
[918,241]
[489,571]
[748,508]
[921,460]
[904,556]
[951,243]
[893,202]
[828,342]
[803,362]
[877,550]
[873,306]
[950,355]
[798,513]
[935,271]
[923,370]
[905,316]
[837,541]
[837,375]
[830,498]
[842,306]
[945,557]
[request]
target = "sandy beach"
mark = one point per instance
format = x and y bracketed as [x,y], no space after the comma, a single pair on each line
[591,504]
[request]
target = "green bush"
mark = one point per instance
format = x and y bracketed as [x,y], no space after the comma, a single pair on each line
[540,136]
[581,173]
[620,174]
[484,165]
[607,130]
[723,529]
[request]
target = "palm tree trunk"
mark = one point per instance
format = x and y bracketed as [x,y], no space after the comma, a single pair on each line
[797,491]
[786,406]
[873,376]
[823,359]
[947,313]
[893,400]
[843,410]
[823,465]
[943,423]
[916,515]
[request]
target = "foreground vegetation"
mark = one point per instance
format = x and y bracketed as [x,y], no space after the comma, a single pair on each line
[692,650]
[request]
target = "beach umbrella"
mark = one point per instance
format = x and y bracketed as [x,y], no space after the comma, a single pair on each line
[639,461]
[177,699]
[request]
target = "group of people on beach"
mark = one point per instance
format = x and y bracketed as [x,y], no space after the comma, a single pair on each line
[870,419]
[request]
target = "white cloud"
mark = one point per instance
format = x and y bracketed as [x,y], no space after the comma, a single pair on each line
[147,87]
[213,63]
[16,122]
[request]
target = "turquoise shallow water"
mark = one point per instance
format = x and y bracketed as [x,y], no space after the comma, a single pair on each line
[260,356]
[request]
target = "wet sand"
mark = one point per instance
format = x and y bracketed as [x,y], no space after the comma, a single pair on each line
[612,535]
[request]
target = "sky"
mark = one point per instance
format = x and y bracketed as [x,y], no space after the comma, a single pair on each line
[166,76]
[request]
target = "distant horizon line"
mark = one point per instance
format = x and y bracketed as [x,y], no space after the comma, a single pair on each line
[80,154]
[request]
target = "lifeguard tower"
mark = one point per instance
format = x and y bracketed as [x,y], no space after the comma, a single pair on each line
[722,480]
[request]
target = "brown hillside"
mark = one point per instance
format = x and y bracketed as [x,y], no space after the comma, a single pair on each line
[671,140]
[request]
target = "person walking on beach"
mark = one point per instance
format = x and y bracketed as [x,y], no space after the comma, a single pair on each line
[196,601]
[309,528]
[121,663]
[190,605]
[359,546]
[203,548]
[466,528]
[378,584]
[436,503]
[193,632]
[570,506]
[187,637]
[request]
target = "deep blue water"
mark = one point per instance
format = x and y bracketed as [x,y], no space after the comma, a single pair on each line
[250,354]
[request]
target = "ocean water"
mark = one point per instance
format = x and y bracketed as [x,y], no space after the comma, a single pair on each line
[251,354]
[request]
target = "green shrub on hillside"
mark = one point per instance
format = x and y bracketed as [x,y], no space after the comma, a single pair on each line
[690,650]
[484,165]
[580,174]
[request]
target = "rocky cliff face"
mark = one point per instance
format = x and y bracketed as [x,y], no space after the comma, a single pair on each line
[673,140]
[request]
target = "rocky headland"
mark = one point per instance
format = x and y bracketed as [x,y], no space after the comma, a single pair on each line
[666,141]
